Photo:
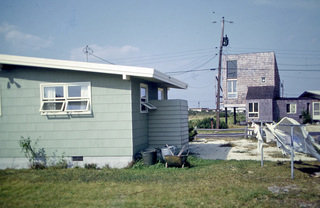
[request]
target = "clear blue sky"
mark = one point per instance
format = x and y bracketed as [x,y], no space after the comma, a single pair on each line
[170,36]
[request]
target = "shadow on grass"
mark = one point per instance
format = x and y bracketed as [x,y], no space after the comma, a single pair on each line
[309,168]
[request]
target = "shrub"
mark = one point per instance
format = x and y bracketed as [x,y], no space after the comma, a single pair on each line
[37,157]
[192,131]
[306,117]
[90,166]
[205,123]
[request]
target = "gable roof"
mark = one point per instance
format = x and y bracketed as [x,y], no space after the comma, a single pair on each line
[311,94]
[264,92]
[126,71]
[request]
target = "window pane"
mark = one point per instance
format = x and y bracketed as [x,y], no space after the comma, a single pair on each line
[253,114]
[293,108]
[250,107]
[234,86]
[53,92]
[78,91]
[288,108]
[143,92]
[52,106]
[316,106]
[74,91]
[229,86]
[256,107]
[232,69]
[77,105]
[160,94]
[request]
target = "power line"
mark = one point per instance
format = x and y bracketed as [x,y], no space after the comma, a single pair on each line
[194,69]
[88,51]
[187,71]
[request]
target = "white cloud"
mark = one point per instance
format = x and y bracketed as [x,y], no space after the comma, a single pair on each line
[105,52]
[22,41]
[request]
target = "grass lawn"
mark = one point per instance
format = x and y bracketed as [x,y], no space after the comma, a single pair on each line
[206,183]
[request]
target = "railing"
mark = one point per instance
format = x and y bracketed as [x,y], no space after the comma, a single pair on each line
[215,133]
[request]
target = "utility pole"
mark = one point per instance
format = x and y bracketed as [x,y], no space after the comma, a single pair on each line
[87,51]
[223,42]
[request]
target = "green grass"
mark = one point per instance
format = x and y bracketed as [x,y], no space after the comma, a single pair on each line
[207,183]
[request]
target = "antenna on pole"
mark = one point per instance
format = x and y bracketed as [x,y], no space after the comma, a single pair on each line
[224,41]
[87,50]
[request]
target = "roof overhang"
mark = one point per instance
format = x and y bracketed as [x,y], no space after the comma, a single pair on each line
[126,71]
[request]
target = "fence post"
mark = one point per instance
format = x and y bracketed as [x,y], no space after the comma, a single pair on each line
[292,152]
[246,132]
[261,150]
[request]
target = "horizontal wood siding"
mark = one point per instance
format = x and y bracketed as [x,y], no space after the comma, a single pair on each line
[139,120]
[168,124]
[105,133]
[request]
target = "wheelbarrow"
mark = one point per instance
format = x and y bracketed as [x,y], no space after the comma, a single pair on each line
[176,160]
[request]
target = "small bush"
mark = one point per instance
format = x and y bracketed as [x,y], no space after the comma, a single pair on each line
[90,166]
[192,131]
[306,117]
[37,157]
[205,123]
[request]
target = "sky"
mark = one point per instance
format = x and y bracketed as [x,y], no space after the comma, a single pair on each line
[177,37]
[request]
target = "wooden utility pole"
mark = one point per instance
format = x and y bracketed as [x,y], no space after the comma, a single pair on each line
[223,42]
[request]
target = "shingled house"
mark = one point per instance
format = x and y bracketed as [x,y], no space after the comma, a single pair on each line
[252,82]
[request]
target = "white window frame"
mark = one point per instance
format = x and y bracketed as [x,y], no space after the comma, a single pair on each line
[145,106]
[232,94]
[315,113]
[160,93]
[66,99]
[253,112]
[292,108]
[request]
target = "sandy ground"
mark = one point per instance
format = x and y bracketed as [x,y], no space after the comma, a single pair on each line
[240,149]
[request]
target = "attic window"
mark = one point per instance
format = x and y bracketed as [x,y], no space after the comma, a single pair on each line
[263,79]
[64,98]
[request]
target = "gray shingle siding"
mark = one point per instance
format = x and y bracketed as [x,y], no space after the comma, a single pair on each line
[301,105]
[250,70]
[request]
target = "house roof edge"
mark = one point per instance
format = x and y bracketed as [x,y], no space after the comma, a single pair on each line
[92,67]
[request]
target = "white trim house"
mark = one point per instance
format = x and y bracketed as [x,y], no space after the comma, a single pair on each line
[100,113]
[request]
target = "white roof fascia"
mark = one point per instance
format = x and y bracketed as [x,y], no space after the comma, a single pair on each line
[166,78]
[125,71]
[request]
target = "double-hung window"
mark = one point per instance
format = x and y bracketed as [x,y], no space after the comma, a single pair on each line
[62,98]
[253,110]
[291,108]
[232,76]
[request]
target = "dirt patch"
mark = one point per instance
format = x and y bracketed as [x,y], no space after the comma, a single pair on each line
[240,149]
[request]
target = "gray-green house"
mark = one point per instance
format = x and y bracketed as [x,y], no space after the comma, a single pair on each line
[91,113]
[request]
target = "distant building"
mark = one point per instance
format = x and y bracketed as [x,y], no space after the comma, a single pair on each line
[252,82]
